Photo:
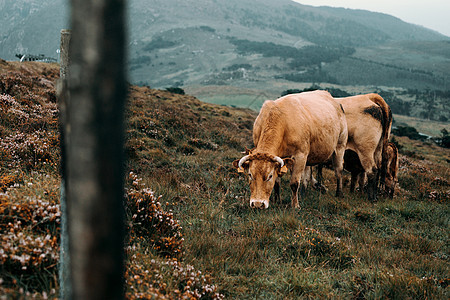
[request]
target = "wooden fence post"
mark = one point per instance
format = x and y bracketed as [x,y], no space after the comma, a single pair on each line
[63,95]
[94,148]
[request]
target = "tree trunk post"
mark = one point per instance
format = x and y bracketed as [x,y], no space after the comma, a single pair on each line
[94,148]
[63,96]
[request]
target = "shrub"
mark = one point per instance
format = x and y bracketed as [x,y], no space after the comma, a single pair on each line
[408,131]
[30,233]
[150,277]
[148,222]
[31,151]
[159,43]
[445,140]
[175,90]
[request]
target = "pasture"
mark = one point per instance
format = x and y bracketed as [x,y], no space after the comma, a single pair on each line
[191,232]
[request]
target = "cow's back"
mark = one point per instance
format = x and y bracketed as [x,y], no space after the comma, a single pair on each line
[364,121]
[310,122]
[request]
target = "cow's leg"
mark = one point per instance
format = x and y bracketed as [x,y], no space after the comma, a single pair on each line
[319,174]
[318,185]
[276,189]
[294,199]
[372,188]
[361,181]
[368,163]
[353,182]
[338,165]
[306,178]
[296,176]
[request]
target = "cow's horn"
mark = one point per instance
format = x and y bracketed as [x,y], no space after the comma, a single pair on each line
[278,159]
[243,160]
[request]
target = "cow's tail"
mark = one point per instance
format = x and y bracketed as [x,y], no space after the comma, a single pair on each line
[386,124]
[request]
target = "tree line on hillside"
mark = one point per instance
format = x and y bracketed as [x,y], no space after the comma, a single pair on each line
[316,28]
[299,57]
[159,43]
[318,63]
[427,104]
[326,31]
[335,92]
[433,104]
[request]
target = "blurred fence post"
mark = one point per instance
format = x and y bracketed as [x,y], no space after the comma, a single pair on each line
[63,96]
[94,148]
[64,53]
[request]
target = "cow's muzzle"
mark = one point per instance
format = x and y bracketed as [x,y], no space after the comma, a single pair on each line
[259,203]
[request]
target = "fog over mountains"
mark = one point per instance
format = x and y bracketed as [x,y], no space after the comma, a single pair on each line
[248,42]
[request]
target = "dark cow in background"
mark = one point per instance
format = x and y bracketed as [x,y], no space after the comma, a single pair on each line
[353,165]
[295,131]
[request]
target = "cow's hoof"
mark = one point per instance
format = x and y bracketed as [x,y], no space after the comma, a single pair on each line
[339,194]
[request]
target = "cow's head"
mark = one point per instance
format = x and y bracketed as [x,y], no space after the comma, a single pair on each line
[262,170]
[389,185]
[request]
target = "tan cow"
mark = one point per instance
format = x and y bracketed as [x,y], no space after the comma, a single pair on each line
[369,121]
[295,131]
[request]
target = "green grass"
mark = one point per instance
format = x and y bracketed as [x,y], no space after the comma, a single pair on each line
[248,101]
[331,247]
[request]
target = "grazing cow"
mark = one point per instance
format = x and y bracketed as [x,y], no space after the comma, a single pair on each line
[369,121]
[295,131]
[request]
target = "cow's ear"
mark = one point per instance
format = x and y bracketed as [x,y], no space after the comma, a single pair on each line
[288,162]
[283,170]
[236,165]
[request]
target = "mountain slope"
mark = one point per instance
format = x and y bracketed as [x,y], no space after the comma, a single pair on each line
[217,42]
[31,27]
[202,42]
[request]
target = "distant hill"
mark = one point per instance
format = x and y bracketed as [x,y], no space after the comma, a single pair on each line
[249,43]
[255,42]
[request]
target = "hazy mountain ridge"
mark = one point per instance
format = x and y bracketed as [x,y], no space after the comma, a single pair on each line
[190,42]
[202,50]
[31,27]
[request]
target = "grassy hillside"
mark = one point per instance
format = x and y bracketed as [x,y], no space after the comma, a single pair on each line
[200,239]
[29,180]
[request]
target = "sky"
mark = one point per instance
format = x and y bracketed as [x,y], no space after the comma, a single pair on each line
[432,14]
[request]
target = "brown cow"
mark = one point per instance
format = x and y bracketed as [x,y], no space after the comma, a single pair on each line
[296,130]
[369,121]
